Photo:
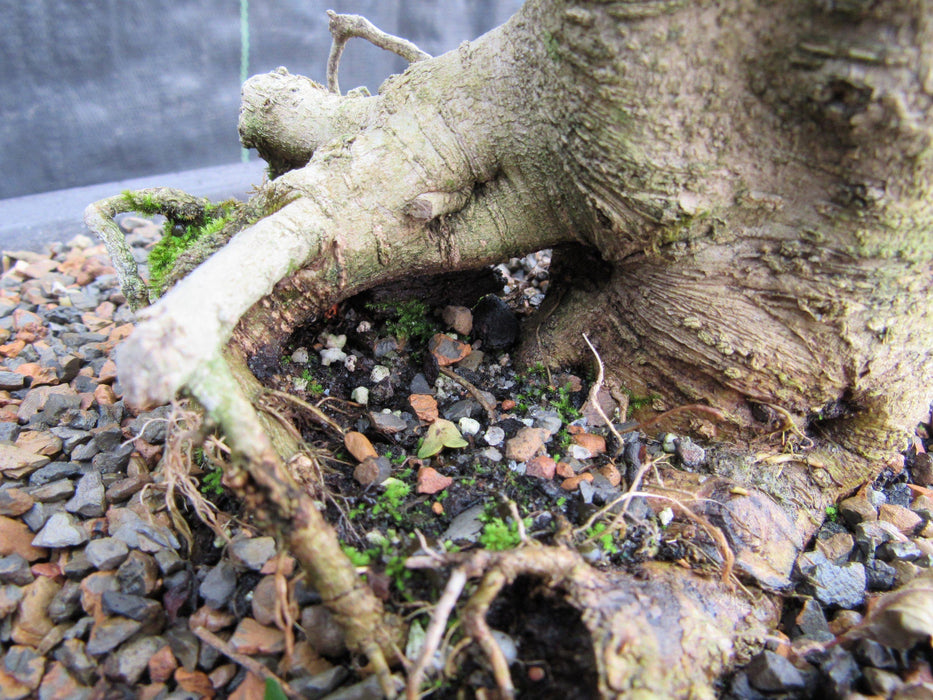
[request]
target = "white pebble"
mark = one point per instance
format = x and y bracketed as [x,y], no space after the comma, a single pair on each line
[300,356]
[580,452]
[350,363]
[379,373]
[494,436]
[334,341]
[364,327]
[468,426]
[360,395]
[332,355]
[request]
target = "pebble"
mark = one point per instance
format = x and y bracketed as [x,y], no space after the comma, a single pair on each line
[526,444]
[770,672]
[840,586]
[360,395]
[253,552]
[468,426]
[494,436]
[106,553]
[88,500]
[60,531]
[218,586]
[15,569]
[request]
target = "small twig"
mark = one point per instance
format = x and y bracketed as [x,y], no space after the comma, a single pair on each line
[593,396]
[477,394]
[435,631]
[519,523]
[246,662]
[345,27]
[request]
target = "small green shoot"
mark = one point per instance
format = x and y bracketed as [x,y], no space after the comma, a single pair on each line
[605,537]
[832,513]
[211,482]
[499,535]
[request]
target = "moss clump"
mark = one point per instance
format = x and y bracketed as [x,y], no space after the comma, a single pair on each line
[176,240]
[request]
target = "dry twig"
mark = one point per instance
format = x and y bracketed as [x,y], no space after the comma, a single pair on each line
[247,662]
[345,27]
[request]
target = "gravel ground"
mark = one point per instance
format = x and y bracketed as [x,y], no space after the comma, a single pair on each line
[100,593]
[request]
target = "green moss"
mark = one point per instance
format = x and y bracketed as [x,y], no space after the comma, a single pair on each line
[163,255]
[144,204]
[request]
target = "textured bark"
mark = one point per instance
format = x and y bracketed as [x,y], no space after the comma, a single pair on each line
[750,183]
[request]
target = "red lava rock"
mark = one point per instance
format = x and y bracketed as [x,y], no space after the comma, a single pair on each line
[526,444]
[287,564]
[535,674]
[564,470]
[359,446]
[507,404]
[39,443]
[596,444]
[446,350]
[47,569]
[437,508]
[252,638]
[194,682]
[573,483]
[162,665]
[12,349]
[11,688]
[108,372]
[431,481]
[612,474]
[15,502]
[40,376]
[904,519]
[16,538]
[222,675]
[424,406]
[211,619]
[542,467]
[32,621]
[57,684]
[251,688]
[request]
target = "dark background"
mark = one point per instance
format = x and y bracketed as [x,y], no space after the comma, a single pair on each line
[107,90]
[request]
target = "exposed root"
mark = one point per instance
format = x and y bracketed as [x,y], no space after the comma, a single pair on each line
[593,396]
[474,622]
[174,205]
[184,434]
[345,27]
[435,631]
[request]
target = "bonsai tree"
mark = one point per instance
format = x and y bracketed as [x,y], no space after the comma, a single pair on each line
[738,195]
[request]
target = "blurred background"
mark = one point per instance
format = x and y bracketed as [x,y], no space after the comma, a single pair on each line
[111,90]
